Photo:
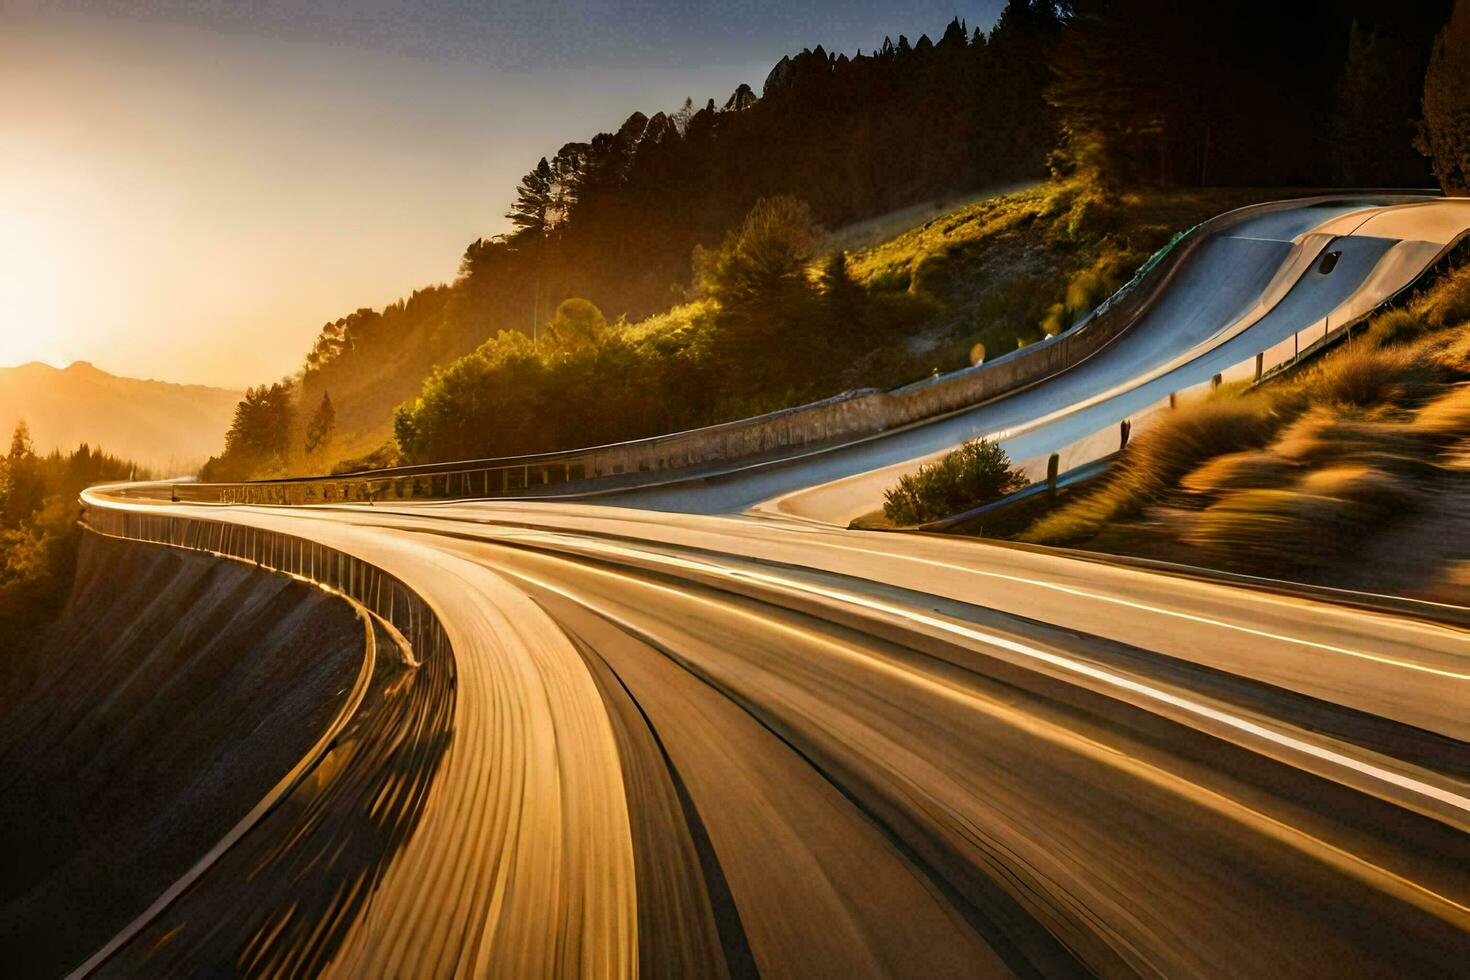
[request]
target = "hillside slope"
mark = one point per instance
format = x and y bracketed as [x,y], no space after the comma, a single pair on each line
[164,426]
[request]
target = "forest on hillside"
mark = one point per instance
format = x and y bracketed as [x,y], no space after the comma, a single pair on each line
[1113,95]
[39,533]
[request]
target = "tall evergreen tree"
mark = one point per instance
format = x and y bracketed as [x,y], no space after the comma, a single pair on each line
[1378,95]
[23,486]
[1444,135]
[322,424]
[533,201]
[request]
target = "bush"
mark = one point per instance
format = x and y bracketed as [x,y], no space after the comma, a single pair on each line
[577,321]
[1361,377]
[931,273]
[974,474]
[1156,461]
[1448,304]
[1394,327]
[765,257]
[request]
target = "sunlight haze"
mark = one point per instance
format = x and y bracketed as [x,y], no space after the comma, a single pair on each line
[189,195]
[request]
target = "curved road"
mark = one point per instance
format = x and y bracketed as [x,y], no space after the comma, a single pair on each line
[685,744]
[1242,292]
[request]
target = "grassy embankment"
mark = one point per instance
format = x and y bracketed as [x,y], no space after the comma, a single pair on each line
[1006,271]
[1353,471]
[989,276]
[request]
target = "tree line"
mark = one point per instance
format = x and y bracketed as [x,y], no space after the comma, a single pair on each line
[764,332]
[1123,93]
[38,530]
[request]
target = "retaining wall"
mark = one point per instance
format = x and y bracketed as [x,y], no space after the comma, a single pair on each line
[840,419]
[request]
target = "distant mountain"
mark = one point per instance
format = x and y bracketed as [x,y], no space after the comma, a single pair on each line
[170,428]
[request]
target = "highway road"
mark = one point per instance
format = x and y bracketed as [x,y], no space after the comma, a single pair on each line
[672,742]
[1242,292]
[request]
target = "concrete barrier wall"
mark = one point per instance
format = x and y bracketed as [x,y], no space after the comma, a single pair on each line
[843,418]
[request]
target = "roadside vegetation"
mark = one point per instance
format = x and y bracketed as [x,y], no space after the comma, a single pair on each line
[1353,470]
[776,321]
[974,474]
[1102,99]
[39,533]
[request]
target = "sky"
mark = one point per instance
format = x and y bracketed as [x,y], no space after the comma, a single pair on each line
[189,189]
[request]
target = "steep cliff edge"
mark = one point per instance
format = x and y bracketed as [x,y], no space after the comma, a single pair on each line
[173,693]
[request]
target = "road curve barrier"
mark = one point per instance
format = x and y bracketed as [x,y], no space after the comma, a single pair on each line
[376,590]
[843,418]
[1108,441]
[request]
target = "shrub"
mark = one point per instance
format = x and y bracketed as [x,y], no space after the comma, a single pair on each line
[765,257]
[1360,376]
[1155,463]
[1448,304]
[891,281]
[577,321]
[1394,327]
[974,474]
[931,273]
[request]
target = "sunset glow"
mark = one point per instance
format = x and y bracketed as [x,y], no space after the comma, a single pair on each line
[215,197]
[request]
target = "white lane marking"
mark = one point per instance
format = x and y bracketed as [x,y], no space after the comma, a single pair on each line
[825,531]
[1162,611]
[1056,660]
[1040,728]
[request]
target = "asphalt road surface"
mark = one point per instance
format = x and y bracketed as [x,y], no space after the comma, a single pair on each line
[1242,292]
[705,744]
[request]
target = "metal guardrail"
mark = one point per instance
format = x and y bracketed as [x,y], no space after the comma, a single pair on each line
[1102,446]
[834,421]
[383,594]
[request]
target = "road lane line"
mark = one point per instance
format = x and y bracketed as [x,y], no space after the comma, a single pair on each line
[1039,727]
[1162,611]
[1406,783]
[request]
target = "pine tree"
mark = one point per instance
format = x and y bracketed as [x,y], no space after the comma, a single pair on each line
[322,424]
[533,201]
[531,213]
[1444,135]
[23,485]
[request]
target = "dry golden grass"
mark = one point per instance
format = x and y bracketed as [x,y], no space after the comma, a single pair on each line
[1292,476]
[1157,461]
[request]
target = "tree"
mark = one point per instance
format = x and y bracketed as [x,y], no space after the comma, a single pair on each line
[843,295]
[1378,94]
[577,322]
[533,201]
[322,424]
[1444,135]
[765,258]
[532,215]
[259,437]
[770,322]
[24,489]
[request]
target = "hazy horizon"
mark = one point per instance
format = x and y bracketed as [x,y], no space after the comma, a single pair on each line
[189,194]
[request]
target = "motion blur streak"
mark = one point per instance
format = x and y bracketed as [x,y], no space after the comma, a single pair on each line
[704,729]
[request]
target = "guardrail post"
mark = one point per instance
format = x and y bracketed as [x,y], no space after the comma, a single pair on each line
[1260,363]
[1124,428]
[1215,382]
[1052,463]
